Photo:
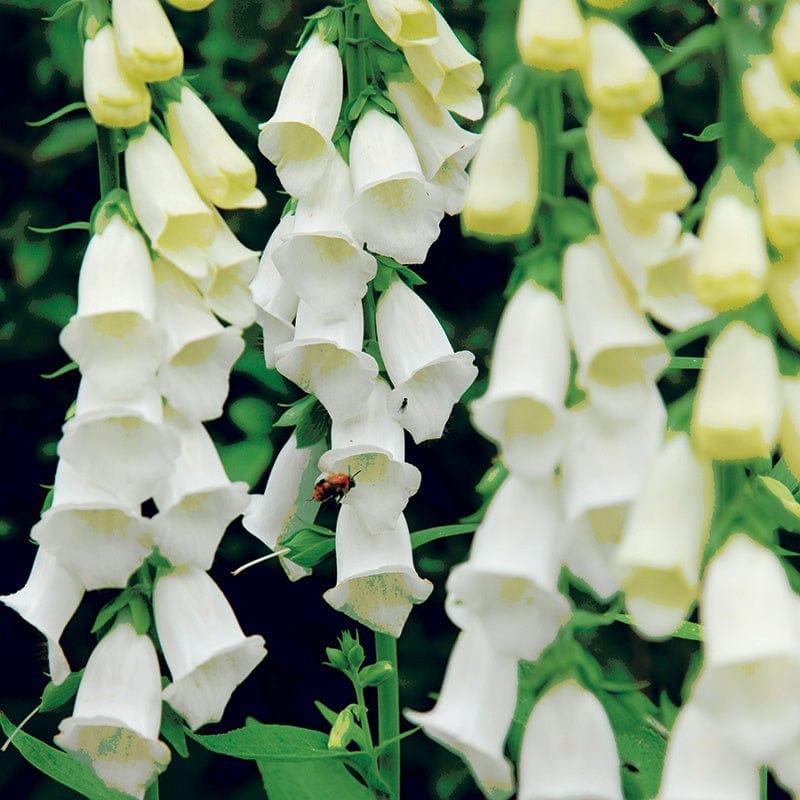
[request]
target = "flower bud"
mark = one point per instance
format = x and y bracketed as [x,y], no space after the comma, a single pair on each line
[786,41]
[375,674]
[783,288]
[405,22]
[769,101]
[147,44]
[551,34]
[777,180]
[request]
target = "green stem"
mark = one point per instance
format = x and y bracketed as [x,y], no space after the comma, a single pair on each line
[363,719]
[107,160]
[369,315]
[152,791]
[553,156]
[389,714]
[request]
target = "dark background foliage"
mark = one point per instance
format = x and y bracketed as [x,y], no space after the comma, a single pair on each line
[239,51]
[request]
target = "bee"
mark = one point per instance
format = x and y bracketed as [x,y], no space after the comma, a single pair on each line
[334,487]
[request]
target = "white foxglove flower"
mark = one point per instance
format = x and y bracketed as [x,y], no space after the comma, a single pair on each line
[443,147]
[448,71]
[750,682]
[325,359]
[114,725]
[568,749]
[786,41]
[619,354]
[226,287]
[218,167]
[114,97]
[320,258]
[509,584]
[769,101]
[474,710]
[196,501]
[738,405]
[297,138]
[371,447]
[146,42]
[785,766]
[206,651]
[783,288]
[658,558]
[629,158]
[396,211]
[551,35]
[276,301]
[504,178]
[776,180]
[49,598]
[113,336]
[790,423]
[99,538]
[703,764]
[729,266]
[376,583]
[287,504]
[405,21]
[617,77]
[428,376]
[171,212]
[589,545]
[199,350]
[523,408]
[121,446]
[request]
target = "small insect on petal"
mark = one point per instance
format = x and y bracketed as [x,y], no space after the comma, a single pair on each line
[334,487]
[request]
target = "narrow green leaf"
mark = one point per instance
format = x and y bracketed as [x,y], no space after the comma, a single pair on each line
[705,39]
[711,133]
[63,9]
[68,109]
[328,713]
[419,538]
[71,367]
[172,729]
[67,226]
[295,412]
[687,630]
[54,697]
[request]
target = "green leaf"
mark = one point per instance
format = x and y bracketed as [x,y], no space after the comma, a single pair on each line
[173,730]
[308,548]
[687,630]
[705,39]
[72,136]
[711,133]
[328,713]
[251,415]
[140,614]
[419,538]
[295,412]
[68,109]
[63,9]
[67,226]
[54,697]
[111,609]
[60,766]
[247,460]
[313,427]
[71,367]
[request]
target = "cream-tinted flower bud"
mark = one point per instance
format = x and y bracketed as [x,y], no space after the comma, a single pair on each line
[729,266]
[790,424]
[504,177]
[769,101]
[190,5]
[617,77]
[114,97]
[405,22]
[147,44]
[738,406]
[776,181]
[786,41]
[783,288]
[551,34]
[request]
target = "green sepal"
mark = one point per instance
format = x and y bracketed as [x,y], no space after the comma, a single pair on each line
[328,714]
[390,270]
[140,614]
[776,502]
[116,203]
[71,367]
[308,548]
[112,608]
[54,697]
[166,92]
[423,537]
[48,498]
[295,412]
[375,674]
[95,15]
[63,9]
[62,112]
[540,264]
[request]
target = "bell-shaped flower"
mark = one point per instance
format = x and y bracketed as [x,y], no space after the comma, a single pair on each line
[750,682]
[783,288]
[769,101]
[226,286]
[218,167]
[509,584]
[729,266]
[702,764]
[629,158]
[99,538]
[619,354]
[276,301]
[146,42]
[443,147]
[370,446]
[405,22]
[568,749]
[121,446]
[114,725]
[523,408]
[474,710]
[297,137]
[376,583]
[206,651]
[504,177]
[49,598]
[588,548]
[665,532]
[448,71]
[738,406]
[790,424]
[320,258]
[551,34]
[287,504]
[171,212]
[196,501]
[396,211]
[428,376]
[617,77]
[786,41]
[776,180]
[199,350]
[325,359]
[113,96]
[113,336]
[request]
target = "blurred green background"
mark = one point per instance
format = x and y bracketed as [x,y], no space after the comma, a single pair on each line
[237,51]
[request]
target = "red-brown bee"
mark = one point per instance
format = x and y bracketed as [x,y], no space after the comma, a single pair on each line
[334,487]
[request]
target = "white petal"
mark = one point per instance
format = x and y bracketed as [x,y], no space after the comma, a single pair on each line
[146,41]
[405,22]
[551,34]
